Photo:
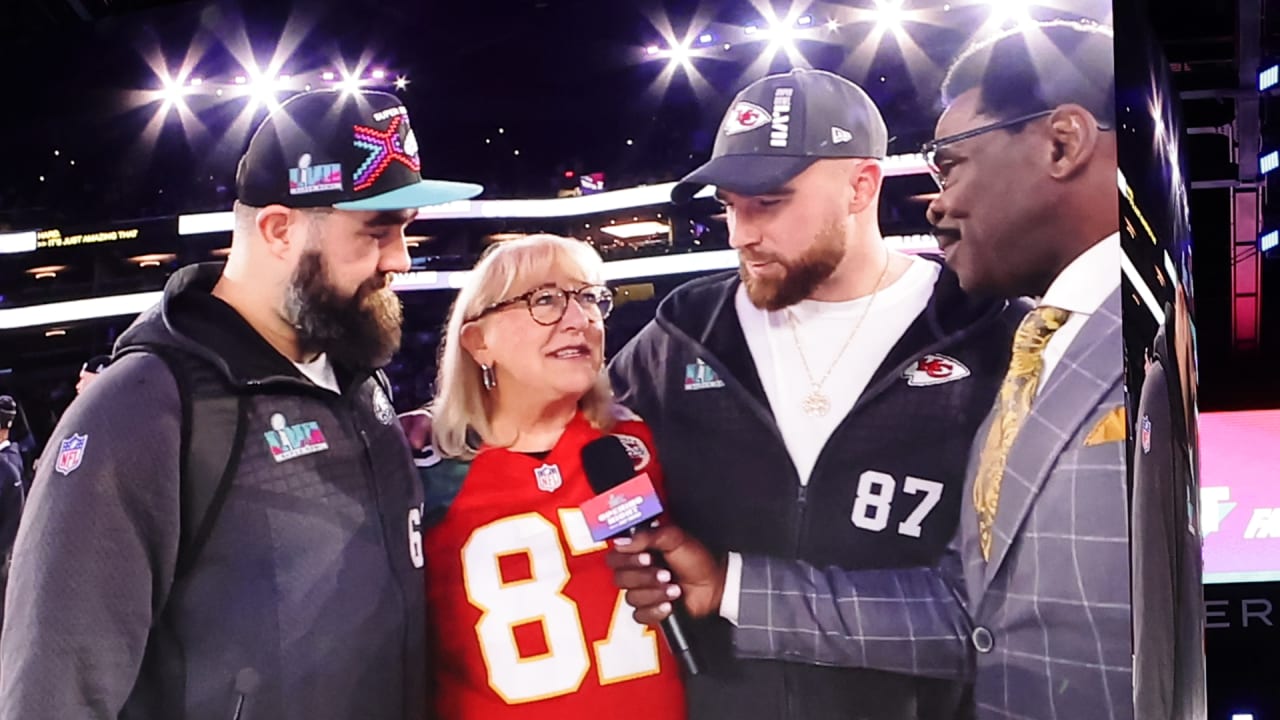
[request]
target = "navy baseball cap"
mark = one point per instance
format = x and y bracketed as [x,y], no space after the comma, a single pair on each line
[96,364]
[8,411]
[781,124]
[349,151]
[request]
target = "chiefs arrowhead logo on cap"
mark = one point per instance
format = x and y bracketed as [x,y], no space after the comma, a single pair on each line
[935,370]
[745,116]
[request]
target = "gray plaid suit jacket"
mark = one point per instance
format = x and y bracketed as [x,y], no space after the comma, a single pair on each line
[1043,629]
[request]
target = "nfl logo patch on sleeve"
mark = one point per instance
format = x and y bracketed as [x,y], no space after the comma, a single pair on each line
[71,453]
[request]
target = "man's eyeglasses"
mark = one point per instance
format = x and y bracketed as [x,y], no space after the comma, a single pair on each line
[930,149]
[548,304]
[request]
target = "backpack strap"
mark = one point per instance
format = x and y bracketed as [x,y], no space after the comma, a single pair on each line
[212,437]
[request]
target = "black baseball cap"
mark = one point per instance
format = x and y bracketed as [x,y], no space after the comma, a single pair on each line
[781,124]
[96,364]
[340,149]
[8,411]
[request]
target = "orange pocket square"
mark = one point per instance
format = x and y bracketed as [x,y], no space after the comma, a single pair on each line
[1111,428]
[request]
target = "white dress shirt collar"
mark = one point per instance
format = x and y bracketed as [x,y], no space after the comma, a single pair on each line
[1085,284]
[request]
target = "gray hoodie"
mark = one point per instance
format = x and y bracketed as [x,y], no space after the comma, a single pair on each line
[306,601]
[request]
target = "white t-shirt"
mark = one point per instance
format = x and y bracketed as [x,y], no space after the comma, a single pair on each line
[822,329]
[320,372]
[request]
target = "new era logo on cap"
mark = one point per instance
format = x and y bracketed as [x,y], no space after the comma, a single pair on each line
[350,151]
[809,115]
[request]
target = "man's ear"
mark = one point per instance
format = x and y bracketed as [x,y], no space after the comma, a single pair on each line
[866,178]
[273,223]
[1074,135]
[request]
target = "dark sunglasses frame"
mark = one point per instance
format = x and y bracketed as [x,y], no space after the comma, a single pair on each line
[930,149]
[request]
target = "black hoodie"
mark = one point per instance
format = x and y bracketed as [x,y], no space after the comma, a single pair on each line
[732,484]
[306,601]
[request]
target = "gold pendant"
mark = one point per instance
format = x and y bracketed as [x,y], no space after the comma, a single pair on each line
[816,404]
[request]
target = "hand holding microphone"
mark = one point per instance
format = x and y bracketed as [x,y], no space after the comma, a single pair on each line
[694,572]
[624,502]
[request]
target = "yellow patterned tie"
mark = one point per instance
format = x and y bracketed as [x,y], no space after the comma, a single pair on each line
[1014,403]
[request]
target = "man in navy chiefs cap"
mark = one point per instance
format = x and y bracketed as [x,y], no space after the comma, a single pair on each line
[819,403]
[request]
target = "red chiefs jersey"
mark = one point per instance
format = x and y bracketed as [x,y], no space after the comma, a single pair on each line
[524,618]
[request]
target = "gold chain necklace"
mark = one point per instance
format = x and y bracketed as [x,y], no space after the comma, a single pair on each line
[816,403]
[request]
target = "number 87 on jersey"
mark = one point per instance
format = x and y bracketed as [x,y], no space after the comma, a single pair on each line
[551,622]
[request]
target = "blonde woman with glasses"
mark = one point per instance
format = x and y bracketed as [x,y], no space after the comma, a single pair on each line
[523,618]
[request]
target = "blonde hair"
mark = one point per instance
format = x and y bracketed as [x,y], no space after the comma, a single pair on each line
[461,408]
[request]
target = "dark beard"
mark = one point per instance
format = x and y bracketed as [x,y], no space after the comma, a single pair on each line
[361,331]
[801,276]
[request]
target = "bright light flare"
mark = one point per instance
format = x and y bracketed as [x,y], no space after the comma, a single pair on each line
[679,50]
[349,85]
[889,15]
[782,36]
[782,30]
[1010,12]
[172,95]
[263,89]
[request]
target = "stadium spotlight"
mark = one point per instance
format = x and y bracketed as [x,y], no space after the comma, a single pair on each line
[1269,241]
[1268,78]
[1268,161]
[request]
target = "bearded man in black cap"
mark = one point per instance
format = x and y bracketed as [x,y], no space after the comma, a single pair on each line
[818,404]
[162,573]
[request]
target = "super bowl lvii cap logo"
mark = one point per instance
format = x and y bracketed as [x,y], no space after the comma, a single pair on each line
[307,178]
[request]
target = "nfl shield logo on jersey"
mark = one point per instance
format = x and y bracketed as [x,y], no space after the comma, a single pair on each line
[548,478]
[382,408]
[70,453]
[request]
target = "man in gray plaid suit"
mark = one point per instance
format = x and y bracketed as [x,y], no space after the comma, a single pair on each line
[1032,602]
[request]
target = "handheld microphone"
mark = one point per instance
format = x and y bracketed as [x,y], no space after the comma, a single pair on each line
[247,681]
[624,501]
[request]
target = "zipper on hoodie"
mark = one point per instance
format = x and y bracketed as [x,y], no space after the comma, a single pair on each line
[396,578]
[802,505]
[802,497]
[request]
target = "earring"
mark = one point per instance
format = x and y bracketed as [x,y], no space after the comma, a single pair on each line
[490,380]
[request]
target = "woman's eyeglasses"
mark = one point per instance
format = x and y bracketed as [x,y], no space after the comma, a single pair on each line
[548,304]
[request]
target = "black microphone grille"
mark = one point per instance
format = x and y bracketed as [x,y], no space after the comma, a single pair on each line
[247,681]
[607,463]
